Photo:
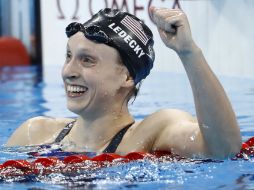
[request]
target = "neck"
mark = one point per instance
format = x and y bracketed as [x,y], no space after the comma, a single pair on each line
[95,133]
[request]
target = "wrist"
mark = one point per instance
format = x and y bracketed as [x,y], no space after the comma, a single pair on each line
[192,56]
[192,49]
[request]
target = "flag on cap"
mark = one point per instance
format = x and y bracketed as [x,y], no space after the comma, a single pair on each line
[134,26]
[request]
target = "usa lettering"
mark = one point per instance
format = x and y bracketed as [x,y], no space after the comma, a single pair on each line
[128,39]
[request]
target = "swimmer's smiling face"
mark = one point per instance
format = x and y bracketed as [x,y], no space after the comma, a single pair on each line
[93,76]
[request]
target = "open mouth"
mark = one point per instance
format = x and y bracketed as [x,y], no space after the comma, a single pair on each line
[75,90]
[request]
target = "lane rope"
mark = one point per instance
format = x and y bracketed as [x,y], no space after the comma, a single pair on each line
[77,162]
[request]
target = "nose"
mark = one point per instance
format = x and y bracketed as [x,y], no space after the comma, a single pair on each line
[70,71]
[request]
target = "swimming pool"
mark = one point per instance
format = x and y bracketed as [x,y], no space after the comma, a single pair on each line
[23,95]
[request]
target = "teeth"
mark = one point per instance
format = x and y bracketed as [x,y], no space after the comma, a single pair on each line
[75,88]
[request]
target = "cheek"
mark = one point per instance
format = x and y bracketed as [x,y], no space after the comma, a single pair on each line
[106,78]
[113,72]
[104,74]
[107,84]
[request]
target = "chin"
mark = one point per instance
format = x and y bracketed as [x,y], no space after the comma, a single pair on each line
[77,109]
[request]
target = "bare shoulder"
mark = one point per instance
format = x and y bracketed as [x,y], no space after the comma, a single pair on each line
[37,130]
[179,132]
[152,132]
[169,116]
[161,119]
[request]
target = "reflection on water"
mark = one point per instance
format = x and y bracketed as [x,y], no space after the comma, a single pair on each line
[246,181]
[20,92]
[31,75]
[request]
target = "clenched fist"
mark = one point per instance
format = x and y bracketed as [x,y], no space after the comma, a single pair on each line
[173,28]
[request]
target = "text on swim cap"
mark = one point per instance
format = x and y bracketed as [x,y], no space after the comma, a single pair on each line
[128,39]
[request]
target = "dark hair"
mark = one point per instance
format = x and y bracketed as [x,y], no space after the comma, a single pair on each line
[134,92]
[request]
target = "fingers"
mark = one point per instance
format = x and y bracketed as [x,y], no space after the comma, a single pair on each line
[153,9]
[166,19]
[167,38]
[163,12]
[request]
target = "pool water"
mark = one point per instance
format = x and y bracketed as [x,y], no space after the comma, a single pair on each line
[23,94]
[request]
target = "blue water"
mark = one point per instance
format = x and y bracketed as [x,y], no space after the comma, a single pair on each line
[23,95]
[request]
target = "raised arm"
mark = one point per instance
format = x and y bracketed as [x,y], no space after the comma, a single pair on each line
[216,119]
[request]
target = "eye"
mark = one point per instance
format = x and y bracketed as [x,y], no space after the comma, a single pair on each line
[68,56]
[87,60]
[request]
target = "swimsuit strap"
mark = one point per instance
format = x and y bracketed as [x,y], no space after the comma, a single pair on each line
[111,148]
[116,140]
[64,132]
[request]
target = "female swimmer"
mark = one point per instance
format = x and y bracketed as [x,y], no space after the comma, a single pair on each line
[106,59]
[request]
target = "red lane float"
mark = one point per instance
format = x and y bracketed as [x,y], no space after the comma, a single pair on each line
[47,165]
[247,150]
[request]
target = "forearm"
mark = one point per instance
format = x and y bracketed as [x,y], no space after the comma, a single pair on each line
[215,115]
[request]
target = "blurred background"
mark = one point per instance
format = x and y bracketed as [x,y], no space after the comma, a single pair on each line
[20,32]
[32,31]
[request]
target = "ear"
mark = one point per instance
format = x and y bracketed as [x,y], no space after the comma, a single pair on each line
[129,82]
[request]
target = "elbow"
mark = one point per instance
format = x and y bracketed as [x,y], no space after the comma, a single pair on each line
[225,147]
[235,147]
[235,144]
[231,144]
[228,150]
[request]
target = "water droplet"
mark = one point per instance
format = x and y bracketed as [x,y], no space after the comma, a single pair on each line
[192,138]
[205,126]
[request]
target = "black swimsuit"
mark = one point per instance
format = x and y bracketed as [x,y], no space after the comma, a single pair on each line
[111,148]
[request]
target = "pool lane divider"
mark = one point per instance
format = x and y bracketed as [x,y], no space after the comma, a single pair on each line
[47,165]
[246,151]
[77,162]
